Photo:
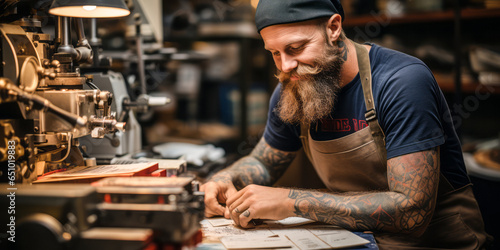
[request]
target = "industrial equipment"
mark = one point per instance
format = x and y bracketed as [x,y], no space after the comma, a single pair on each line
[61,107]
[145,213]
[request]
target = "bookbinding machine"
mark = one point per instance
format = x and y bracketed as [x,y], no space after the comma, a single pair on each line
[48,107]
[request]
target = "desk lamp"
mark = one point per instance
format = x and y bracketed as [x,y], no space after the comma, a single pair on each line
[89,8]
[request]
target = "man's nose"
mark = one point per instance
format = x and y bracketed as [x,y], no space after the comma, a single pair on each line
[288,64]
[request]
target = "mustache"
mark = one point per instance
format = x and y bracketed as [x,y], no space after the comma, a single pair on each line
[303,71]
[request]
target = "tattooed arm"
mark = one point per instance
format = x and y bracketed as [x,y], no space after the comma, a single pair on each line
[262,167]
[406,208]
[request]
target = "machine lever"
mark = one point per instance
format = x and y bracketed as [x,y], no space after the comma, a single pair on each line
[40,103]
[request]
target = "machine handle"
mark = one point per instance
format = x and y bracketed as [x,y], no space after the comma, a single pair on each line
[40,103]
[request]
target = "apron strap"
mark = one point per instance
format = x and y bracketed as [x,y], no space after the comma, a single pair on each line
[370,115]
[304,138]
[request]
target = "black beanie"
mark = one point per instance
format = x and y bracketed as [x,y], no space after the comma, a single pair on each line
[272,12]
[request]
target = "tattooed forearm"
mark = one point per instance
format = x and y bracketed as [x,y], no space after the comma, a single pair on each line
[275,161]
[222,177]
[243,172]
[263,167]
[359,212]
[248,171]
[407,207]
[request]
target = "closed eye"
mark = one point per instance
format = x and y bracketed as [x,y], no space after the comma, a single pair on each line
[295,50]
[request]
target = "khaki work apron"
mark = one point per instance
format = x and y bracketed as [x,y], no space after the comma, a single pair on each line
[358,162]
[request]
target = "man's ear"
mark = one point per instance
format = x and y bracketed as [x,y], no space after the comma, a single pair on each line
[334,28]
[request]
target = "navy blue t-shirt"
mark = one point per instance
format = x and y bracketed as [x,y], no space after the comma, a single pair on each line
[411,110]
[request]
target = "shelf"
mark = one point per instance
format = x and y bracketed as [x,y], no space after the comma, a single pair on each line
[472,88]
[447,85]
[424,17]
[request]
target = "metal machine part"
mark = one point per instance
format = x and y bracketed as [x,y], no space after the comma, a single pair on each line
[120,143]
[83,52]
[45,108]
[164,212]
[20,57]
[173,207]
[47,215]
[41,230]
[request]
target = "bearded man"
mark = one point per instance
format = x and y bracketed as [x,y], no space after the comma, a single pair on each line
[375,126]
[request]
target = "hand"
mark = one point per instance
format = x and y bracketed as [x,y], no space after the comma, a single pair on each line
[217,192]
[258,202]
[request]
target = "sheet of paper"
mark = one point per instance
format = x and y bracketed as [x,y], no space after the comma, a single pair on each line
[342,238]
[210,246]
[323,229]
[211,233]
[166,163]
[217,222]
[217,232]
[145,181]
[100,170]
[337,237]
[304,239]
[288,222]
[245,242]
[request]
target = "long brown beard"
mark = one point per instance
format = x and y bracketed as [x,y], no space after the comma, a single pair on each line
[313,96]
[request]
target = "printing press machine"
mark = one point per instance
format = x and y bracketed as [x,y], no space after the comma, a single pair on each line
[119,213]
[60,110]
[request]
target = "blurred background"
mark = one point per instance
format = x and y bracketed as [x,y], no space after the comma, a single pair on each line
[219,58]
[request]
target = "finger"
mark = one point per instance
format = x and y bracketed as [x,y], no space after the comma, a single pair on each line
[231,191]
[212,206]
[210,213]
[233,197]
[202,187]
[235,208]
[245,219]
[234,214]
[245,210]
[227,213]
[240,209]
[217,211]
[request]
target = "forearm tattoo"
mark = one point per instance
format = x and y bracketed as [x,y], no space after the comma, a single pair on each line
[407,206]
[275,161]
[262,167]
[248,171]
[243,172]
[222,176]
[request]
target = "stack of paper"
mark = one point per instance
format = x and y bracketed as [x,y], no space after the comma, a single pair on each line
[290,233]
[84,174]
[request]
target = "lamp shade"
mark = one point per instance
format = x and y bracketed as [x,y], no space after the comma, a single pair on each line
[89,8]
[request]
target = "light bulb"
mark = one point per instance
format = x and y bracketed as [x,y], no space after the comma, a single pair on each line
[89,7]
